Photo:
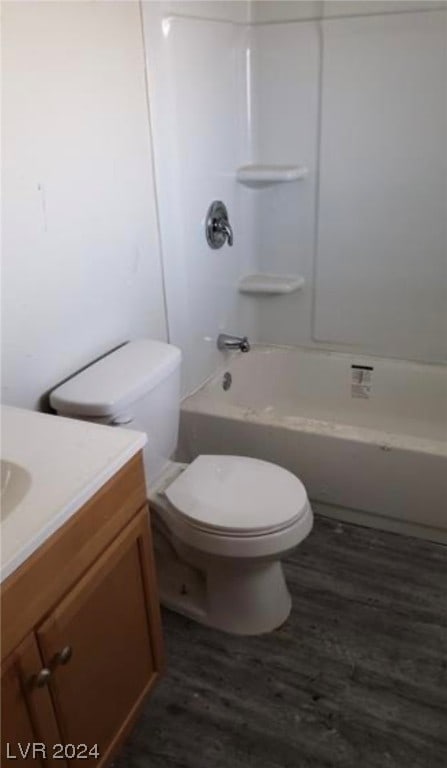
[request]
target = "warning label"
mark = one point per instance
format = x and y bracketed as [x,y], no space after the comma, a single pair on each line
[361,381]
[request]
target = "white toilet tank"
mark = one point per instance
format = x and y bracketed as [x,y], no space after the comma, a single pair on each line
[136,386]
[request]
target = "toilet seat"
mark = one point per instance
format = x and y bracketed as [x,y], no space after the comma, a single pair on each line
[237,496]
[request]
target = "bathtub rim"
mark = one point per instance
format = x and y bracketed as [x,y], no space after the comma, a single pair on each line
[385,440]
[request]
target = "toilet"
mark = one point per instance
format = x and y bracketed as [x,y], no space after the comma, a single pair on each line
[221,524]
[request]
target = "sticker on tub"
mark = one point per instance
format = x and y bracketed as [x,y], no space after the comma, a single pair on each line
[361,381]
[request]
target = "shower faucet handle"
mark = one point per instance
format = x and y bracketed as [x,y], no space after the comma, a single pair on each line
[217,227]
[224,226]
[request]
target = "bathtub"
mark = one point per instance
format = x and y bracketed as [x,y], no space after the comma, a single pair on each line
[366,435]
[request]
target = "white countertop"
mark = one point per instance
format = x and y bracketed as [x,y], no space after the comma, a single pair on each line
[68,460]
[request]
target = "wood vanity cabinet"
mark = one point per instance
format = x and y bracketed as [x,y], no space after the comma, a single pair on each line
[81,631]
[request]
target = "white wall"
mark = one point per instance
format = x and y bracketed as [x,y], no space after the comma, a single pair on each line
[268,11]
[81,257]
[237,11]
[198,94]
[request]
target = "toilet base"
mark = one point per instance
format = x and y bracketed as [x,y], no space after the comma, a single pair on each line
[237,597]
[248,601]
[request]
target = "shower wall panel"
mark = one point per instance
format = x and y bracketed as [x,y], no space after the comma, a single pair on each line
[382,239]
[197,72]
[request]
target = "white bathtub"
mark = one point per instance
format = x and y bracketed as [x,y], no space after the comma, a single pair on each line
[367,435]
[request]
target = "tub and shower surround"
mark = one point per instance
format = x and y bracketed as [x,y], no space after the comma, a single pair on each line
[360,102]
[366,435]
[354,95]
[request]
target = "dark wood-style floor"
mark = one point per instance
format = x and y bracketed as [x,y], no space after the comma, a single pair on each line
[356,678]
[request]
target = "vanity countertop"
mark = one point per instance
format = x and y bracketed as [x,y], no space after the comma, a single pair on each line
[67,461]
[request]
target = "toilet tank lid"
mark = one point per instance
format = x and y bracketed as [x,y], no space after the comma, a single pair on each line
[115,381]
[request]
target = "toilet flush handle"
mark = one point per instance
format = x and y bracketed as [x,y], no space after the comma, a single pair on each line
[121,420]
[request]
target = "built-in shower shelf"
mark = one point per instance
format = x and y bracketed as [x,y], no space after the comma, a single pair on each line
[272,285]
[270,174]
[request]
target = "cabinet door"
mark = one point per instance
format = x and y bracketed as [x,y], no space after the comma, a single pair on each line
[103,642]
[28,726]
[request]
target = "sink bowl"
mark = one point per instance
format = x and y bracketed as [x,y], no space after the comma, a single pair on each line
[15,482]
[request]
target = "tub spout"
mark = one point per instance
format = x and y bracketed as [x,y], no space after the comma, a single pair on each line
[225,341]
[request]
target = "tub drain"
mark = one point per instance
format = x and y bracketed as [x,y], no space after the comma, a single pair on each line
[227,380]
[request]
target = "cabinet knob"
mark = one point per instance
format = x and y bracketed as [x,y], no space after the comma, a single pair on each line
[64,656]
[42,677]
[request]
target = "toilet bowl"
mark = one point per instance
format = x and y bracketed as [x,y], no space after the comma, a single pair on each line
[222,524]
[230,519]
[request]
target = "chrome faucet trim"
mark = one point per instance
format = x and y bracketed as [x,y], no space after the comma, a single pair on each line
[217,226]
[225,227]
[226,341]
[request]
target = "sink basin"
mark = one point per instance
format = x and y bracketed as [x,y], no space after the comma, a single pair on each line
[15,482]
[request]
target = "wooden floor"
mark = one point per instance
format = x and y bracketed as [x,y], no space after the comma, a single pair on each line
[356,678]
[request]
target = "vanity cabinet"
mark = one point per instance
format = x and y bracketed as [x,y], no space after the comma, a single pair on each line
[96,646]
